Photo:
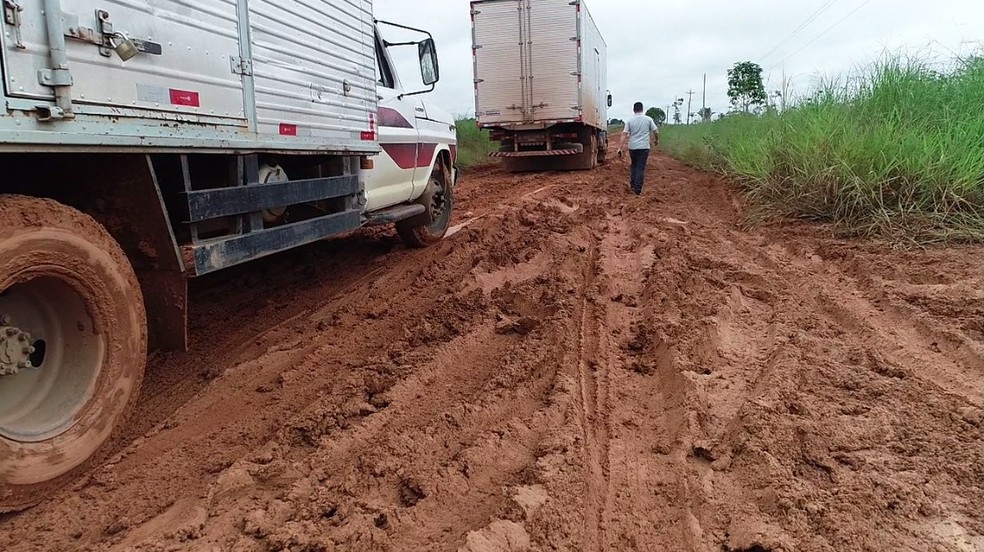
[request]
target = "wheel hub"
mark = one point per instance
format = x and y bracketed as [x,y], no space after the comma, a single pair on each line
[16,348]
[50,358]
[437,204]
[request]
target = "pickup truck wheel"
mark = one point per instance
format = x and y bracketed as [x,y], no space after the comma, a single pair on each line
[440,207]
[73,345]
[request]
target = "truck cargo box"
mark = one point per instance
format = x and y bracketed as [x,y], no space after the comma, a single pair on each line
[539,62]
[217,75]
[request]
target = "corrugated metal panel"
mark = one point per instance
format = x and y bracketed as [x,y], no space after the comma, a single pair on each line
[498,70]
[552,40]
[555,45]
[594,71]
[313,61]
[313,67]
[191,76]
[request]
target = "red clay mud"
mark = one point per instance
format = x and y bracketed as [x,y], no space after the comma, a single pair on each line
[573,369]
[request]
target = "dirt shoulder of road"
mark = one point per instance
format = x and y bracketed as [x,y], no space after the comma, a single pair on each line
[573,369]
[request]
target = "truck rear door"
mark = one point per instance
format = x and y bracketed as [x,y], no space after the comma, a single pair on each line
[500,66]
[192,74]
[555,50]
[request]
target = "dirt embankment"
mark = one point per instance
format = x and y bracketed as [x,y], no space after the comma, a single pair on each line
[573,369]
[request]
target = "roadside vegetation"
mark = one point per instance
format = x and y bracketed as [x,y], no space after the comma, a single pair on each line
[474,145]
[896,151]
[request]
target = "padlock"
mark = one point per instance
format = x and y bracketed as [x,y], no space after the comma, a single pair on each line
[126,49]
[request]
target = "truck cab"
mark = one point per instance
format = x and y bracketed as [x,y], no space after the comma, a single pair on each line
[418,139]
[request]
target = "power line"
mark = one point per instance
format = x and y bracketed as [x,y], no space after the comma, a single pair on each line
[821,35]
[823,8]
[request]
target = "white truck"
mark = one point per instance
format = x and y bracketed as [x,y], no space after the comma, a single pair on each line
[541,69]
[146,142]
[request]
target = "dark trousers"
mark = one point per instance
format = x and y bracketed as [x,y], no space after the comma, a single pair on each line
[639,159]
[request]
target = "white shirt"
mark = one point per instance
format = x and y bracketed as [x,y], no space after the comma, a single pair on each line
[639,128]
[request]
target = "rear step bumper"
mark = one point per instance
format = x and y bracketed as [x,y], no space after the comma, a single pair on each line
[551,153]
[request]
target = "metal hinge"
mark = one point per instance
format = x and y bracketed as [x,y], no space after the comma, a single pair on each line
[241,66]
[12,16]
[55,77]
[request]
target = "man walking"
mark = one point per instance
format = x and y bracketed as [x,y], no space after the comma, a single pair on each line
[643,136]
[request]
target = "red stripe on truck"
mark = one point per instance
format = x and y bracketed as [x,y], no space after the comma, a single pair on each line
[425,154]
[411,156]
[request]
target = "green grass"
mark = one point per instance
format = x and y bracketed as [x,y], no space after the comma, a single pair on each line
[896,151]
[474,145]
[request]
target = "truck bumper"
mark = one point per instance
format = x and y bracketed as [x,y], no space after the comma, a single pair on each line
[551,153]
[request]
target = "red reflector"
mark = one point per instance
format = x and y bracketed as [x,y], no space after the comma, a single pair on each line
[288,130]
[185,97]
[371,134]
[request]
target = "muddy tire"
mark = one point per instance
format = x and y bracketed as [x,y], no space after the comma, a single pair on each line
[441,206]
[586,160]
[67,283]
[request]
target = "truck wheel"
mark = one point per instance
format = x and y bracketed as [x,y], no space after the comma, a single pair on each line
[440,206]
[586,160]
[73,345]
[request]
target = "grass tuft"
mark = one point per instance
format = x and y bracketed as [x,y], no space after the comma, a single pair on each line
[896,151]
[474,145]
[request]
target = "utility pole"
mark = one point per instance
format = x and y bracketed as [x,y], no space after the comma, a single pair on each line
[690,99]
[785,91]
[704,116]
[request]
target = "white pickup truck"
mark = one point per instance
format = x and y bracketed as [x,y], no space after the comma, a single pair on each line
[146,142]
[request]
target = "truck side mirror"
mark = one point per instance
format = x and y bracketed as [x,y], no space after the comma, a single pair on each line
[430,71]
[610,102]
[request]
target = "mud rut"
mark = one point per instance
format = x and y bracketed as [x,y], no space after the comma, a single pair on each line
[573,369]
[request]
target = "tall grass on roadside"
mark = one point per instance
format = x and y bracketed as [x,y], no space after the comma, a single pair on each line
[474,145]
[897,151]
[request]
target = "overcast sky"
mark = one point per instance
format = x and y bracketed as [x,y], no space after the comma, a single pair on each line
[657,51]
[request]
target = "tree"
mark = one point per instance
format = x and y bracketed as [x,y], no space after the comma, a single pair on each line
[657,115]
[676,110]
[705,114]
[745,86]
[616,122]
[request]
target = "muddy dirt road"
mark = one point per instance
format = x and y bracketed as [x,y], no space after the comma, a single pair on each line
[574,369]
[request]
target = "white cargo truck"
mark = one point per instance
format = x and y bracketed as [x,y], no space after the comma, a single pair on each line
[540,82]
[146,142]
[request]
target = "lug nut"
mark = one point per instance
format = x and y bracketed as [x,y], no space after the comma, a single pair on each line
[29,350]
[25,364]
[25,336]
[11,332]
